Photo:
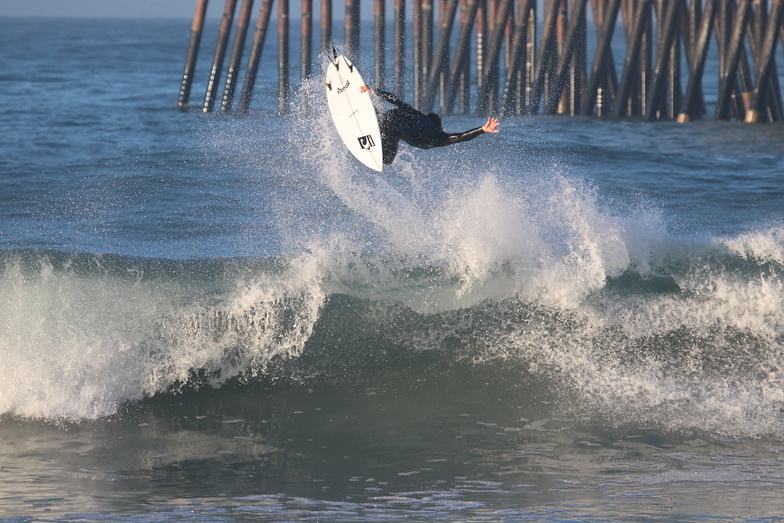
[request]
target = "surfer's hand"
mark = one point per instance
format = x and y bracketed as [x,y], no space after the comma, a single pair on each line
[365,89]
[490,126]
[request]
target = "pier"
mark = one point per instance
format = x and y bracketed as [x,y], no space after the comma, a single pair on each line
[523,57]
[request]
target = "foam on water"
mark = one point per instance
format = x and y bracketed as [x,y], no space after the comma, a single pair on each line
[760,246]
[514,264]
[80,343]
[545,237]
[708,357]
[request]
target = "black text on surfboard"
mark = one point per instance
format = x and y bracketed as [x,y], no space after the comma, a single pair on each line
[366,142]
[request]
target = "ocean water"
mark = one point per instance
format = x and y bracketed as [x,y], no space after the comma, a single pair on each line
[219,318]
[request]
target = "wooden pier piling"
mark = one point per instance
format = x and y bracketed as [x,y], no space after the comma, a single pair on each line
[193,54]
[530,57]
[461,52]
[380,49]
[326,25]
[732,59]
[766,64]
[352,30]
[306,49]
[690,109]
[441,57]
[220,53]
[416,32]
[481,42]
[565,62]
[602,57]
[236,55]
[400,48]
[632,63]
[428,19]
[464,78]
[513,97]
[283,56]
[547,54]
[443,73]
[485,100]
[655,105]
[504,60]
[255,55]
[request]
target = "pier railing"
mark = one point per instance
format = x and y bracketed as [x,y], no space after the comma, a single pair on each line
[499,57]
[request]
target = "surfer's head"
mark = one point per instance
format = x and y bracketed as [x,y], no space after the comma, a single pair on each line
[435,119]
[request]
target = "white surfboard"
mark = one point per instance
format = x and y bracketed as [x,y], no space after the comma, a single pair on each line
[353,113]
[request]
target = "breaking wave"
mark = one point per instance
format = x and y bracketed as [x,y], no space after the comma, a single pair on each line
[623,320]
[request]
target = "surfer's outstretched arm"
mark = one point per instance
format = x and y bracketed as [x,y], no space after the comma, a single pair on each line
[490,127]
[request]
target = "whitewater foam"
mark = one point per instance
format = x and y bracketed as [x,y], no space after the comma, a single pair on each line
[763,246]
[482,263]
[79,344]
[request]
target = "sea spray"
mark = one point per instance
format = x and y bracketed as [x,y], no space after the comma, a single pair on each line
[636,324]
[238,333]
[81,341]
[68,339]
[443,253]
[478,228]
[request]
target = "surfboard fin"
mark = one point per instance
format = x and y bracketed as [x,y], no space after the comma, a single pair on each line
[329,85]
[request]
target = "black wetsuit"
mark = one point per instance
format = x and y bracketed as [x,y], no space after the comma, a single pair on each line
[413,127]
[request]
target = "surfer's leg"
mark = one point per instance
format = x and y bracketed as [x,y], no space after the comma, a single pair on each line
[388,124]
[390,150]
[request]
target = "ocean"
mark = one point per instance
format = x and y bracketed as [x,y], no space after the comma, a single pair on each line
[226,318]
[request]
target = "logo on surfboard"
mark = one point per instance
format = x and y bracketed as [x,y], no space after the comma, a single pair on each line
[366,142]
[341,89]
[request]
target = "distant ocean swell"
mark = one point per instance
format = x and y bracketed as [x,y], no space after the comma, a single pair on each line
[691,341]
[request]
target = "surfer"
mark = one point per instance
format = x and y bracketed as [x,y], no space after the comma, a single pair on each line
[417,128]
